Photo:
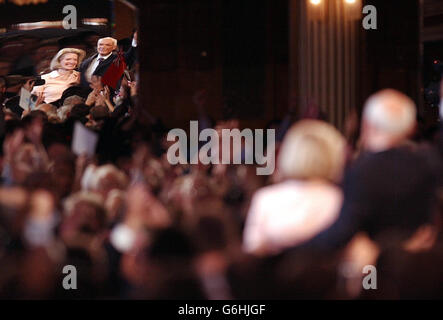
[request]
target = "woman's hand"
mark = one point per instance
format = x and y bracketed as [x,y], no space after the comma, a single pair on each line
[106,93]
[101,99]
[106,98]
[40,99]
[92,97]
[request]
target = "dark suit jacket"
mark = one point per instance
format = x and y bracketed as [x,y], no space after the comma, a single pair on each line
[387,195]
[130,57]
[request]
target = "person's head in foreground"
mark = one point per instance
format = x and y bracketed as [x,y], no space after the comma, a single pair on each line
[311,160]
[312,149]
[389,118]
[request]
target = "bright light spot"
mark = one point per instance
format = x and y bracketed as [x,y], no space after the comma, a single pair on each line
[350,1]
[315,2]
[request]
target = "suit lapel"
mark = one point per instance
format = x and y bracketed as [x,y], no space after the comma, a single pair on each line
[86,63]
[104,64]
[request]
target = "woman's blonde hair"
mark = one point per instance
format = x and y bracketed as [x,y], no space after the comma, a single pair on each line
[312,149]
[55,62]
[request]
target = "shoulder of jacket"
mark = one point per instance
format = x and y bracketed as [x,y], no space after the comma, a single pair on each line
[52,74]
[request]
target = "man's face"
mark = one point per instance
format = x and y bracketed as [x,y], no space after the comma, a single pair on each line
[105,46]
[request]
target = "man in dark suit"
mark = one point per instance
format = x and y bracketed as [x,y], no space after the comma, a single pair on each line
[105,56]
[390,190]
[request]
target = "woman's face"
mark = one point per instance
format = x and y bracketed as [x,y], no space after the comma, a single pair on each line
[68,61]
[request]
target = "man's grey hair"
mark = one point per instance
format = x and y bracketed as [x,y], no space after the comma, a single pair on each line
[114,41]
[391,112]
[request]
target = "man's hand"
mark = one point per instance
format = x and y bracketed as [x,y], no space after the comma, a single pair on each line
[133,88]
[134,39]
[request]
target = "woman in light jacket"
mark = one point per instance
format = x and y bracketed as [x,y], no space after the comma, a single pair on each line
[308,200]
[62,76]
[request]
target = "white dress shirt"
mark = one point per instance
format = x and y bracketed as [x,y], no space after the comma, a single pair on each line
[93,65]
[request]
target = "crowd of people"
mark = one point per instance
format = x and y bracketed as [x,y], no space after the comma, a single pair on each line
[136,227]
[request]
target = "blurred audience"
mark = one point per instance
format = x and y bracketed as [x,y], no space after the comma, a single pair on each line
[136,226]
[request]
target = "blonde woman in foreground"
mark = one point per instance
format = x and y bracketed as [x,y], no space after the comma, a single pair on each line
[308,201]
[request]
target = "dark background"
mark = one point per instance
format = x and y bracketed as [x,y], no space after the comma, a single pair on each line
[246,68]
